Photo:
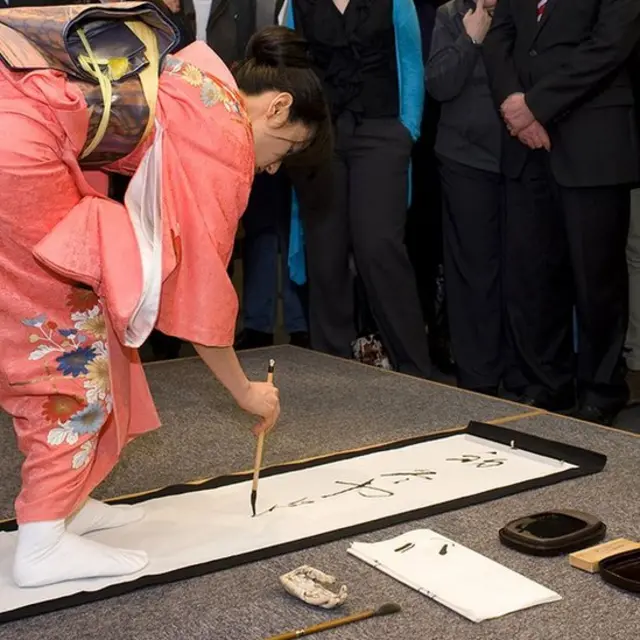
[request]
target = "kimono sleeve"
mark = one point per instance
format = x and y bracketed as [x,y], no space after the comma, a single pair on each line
[205,193]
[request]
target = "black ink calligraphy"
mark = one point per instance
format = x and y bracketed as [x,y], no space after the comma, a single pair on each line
[362,489]
[365,489]
[295,503]
[405,476]
[473,459]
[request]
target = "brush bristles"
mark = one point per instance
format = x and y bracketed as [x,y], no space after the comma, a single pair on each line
[388,609]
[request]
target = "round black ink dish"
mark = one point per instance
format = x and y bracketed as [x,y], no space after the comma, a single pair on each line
[622,570]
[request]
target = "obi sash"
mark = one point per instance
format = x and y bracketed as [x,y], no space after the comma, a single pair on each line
[112,52]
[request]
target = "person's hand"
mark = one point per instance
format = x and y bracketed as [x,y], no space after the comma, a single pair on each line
[261,399]
[516,113]
[535,136]
[477,22]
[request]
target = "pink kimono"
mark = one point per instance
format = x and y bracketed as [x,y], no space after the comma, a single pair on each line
[84,280]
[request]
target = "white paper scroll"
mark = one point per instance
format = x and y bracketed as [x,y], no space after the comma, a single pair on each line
[191,528]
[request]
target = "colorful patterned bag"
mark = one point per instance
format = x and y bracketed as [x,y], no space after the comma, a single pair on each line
[113,52]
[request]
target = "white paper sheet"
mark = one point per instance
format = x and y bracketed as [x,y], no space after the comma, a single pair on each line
[202,526]
[467,582]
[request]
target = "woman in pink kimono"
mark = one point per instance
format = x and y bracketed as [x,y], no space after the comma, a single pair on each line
[84,280]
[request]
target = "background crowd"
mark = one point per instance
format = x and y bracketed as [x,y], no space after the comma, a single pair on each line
[479,215]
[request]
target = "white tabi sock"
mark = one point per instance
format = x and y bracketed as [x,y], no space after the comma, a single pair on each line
[47,554]
[96,515]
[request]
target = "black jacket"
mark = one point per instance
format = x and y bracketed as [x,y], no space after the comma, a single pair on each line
[470,128]
[573,67]
[231,24]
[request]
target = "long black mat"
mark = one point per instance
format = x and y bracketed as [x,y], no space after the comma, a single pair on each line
[587,462]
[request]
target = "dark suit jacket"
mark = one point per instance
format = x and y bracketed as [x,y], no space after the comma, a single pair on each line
[573,68]
[231,24]
[469,129]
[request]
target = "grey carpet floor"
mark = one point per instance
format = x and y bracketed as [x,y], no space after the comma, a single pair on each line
[330,405]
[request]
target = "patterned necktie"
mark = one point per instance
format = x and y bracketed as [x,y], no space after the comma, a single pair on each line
[541,4]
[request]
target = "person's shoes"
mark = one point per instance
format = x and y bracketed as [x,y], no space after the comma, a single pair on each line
[486,391]
[561,402]
[369,350]
[252,339]
[441,354]
[300,339]
[633,382]
[590,413]
[172,353]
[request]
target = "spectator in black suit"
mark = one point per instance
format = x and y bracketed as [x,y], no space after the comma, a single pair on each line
[468,150]
[424,218]
[561,81]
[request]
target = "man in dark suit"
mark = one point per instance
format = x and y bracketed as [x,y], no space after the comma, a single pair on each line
[559,74]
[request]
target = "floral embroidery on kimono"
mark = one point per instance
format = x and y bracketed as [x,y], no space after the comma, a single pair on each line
[77,350]
[212,91]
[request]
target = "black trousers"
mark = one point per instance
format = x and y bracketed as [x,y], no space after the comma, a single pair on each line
[358,204]
[266,224]
[473,208]
[424,219]
[566,250]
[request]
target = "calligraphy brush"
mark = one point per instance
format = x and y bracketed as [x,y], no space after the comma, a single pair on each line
[258,460]
[384,610]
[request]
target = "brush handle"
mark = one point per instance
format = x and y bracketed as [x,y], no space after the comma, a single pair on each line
[258,460]
[324,626]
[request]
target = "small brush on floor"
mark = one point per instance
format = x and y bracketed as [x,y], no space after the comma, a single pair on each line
[258,460]
[384,610]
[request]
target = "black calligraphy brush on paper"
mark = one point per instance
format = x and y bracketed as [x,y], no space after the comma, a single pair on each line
[259,449]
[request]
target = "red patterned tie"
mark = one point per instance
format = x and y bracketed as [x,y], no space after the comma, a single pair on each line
[541,4]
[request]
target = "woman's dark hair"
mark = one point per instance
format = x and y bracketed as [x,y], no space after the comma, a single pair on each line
[277,59]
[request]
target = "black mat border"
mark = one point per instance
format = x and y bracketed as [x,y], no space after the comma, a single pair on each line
[587,462]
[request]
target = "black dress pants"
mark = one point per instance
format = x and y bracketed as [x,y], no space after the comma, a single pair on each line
[357,204]
[565,250]
[473,208]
